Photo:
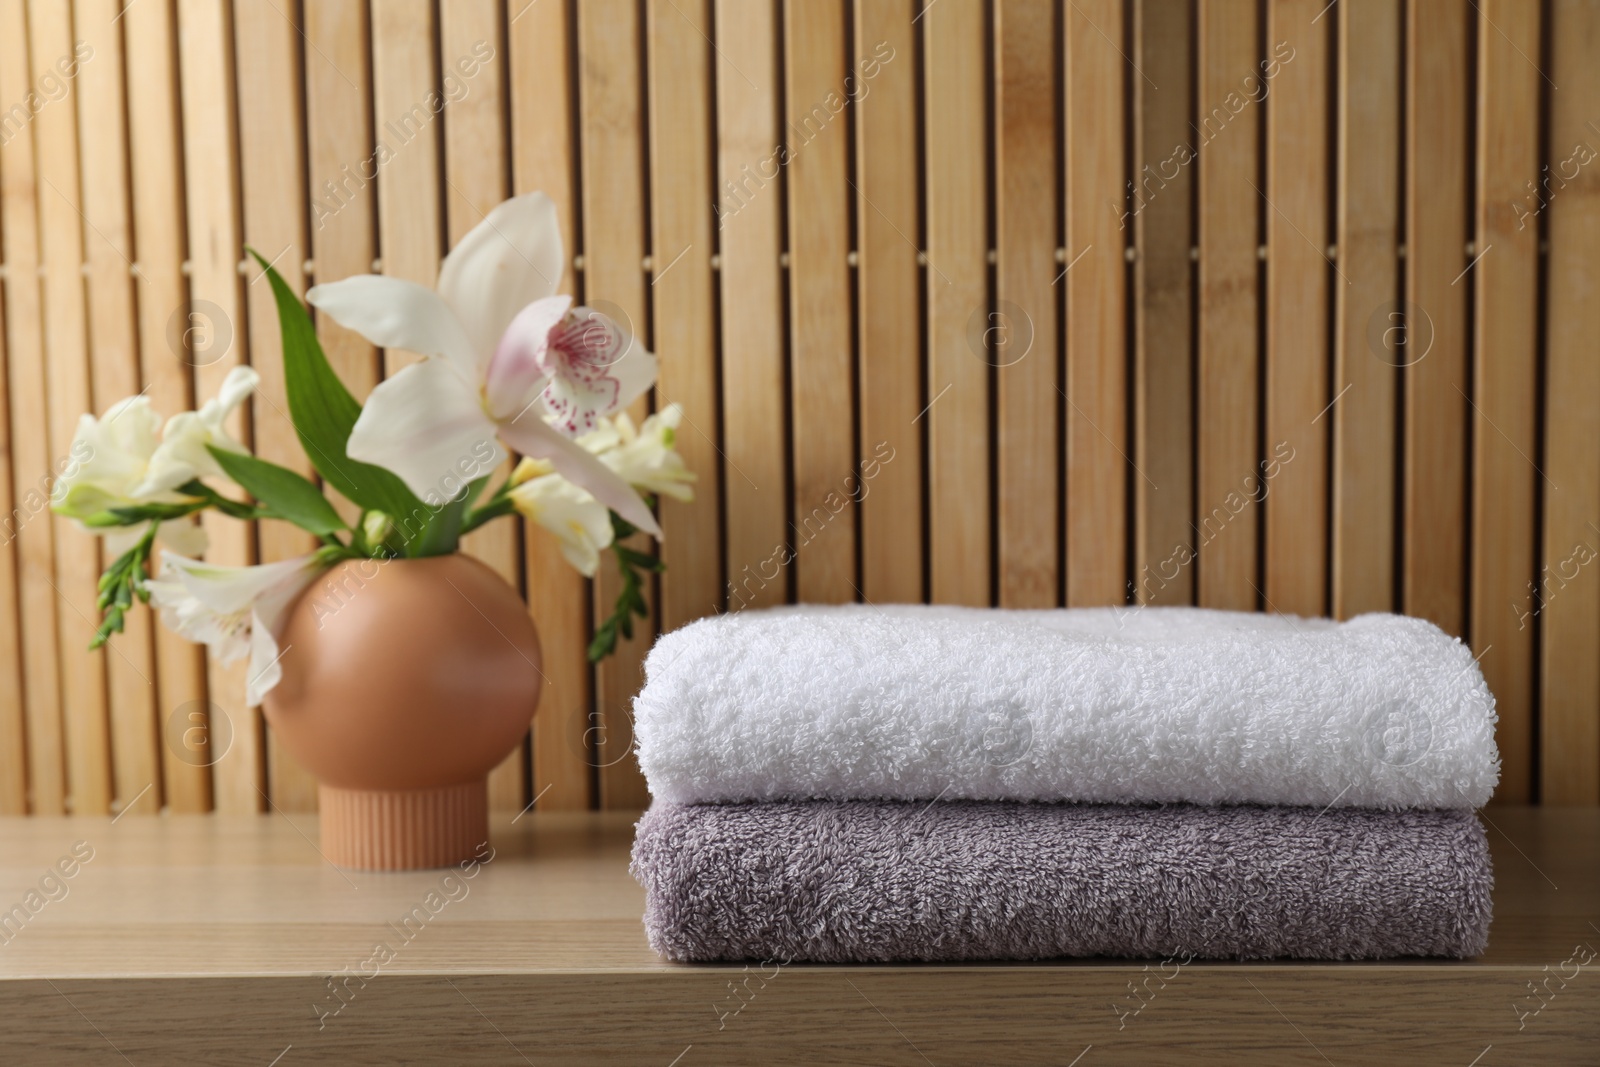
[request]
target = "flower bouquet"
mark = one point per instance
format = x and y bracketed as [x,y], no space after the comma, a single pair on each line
[509,366]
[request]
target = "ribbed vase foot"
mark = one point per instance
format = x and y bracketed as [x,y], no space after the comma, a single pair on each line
[403,829]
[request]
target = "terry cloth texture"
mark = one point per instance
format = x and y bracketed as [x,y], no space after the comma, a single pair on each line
[871,881]
[1105,704]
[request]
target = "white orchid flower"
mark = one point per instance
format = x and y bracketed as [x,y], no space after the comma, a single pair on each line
[647,458]
[234,611]
[122,459]
[505,353]
[581,524]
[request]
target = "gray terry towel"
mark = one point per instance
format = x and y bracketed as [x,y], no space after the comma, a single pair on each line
[860,881]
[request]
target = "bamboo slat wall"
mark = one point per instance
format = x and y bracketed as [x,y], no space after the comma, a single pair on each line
[1285,306]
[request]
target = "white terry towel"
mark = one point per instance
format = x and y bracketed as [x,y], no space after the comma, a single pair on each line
[1104,704]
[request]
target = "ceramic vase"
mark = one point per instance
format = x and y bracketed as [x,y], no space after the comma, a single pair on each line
[404,683]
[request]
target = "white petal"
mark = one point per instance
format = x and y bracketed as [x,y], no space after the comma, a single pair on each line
[392,313]
[509,260]
[118,539]
[185,537]
[107,460]
[606,435]
[647,459]
[265,669]
[189,618]
[236,387]
[427,426]
[266,621]
[133,425]
[532,436]
[226,589]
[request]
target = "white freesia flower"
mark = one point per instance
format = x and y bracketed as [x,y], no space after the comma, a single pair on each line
[644,458]
[123,459]
[507,352]
[647,458]
[580,523]
[234,611]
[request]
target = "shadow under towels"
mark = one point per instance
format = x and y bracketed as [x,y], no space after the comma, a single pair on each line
[869,881]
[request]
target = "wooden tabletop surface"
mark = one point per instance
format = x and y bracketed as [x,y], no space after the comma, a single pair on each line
[239,911]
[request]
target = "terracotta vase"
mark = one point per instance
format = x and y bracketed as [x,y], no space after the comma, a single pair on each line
[404,683]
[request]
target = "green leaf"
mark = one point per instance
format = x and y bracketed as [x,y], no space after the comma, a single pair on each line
[493,510]
[285,494]
[475,490]
[207,497]
[442,533]
[324,412]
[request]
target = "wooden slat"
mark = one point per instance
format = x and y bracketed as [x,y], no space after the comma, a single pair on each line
[1437,377]
[405,84]
[613,253]
[31,462]
[956,134]
[13,738]
[685,326]
[108,254]
[825,519]
[211,180]
[342,164]
[1021,329]
[1161,219]
[558,596]
[83,673]
[150,35]
[1296,542]
[1368,238]
[749,206]
[13,513]
[1569,715]
[272,159]
[1097,447]
[475,173]
[883,85]
[1504,440]
[1096,423]
[1227,135]
[472,57]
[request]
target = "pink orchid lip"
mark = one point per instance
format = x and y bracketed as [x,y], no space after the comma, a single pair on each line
[590,339]
[563,356]
[578,355]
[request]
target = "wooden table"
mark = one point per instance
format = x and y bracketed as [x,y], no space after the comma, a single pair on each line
[211,940]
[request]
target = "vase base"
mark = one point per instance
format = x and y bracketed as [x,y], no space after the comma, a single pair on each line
[403,829]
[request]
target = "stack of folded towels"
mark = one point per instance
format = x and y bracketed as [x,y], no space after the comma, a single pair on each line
[853,784]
